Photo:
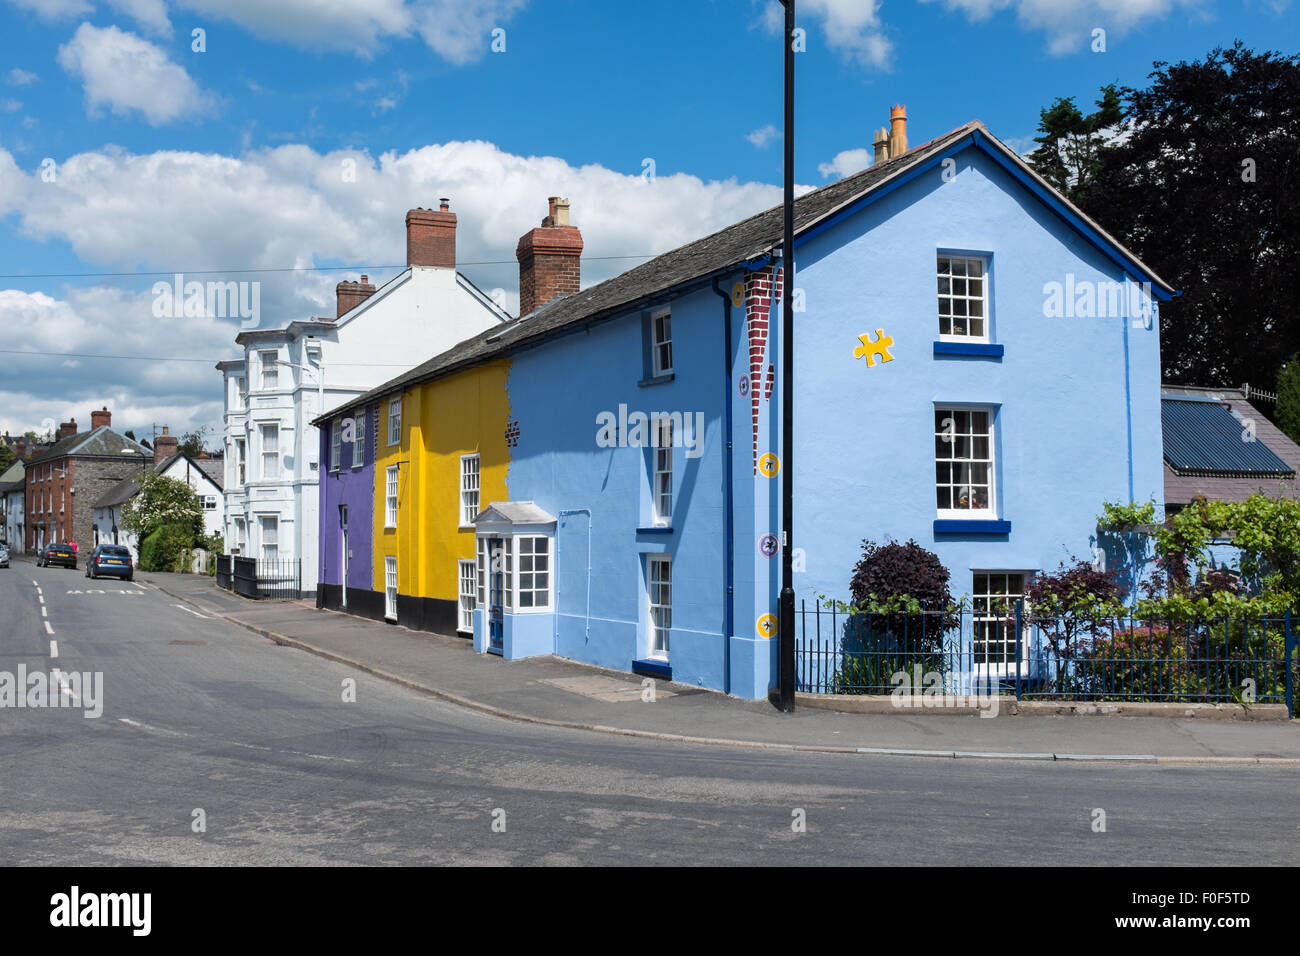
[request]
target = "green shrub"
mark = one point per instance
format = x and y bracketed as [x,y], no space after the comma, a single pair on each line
[162,550]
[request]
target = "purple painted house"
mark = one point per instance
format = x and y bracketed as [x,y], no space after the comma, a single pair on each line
[347,518]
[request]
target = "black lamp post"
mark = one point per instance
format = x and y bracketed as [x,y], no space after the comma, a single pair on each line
[785,626]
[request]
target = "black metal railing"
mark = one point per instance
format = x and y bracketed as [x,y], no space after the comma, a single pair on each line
[959,652]
[278,578]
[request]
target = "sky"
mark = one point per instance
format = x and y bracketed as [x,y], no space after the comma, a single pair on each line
[282,141]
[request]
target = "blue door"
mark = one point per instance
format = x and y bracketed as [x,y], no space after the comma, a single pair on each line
[496,597]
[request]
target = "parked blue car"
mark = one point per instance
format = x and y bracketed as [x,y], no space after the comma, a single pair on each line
[110,560]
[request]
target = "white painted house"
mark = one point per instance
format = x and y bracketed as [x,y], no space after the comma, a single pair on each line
[289,376]
[204,476]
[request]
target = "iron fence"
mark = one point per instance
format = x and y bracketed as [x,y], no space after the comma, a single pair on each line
[1007,651]
[223,571]
[279,578]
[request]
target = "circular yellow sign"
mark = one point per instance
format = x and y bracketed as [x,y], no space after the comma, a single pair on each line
[767,625]
[738,294]
[769,464]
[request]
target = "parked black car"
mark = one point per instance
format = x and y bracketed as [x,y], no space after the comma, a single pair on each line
[110,560]
[60,554]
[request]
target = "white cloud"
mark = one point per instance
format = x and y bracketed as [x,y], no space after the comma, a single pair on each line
[845,163]
[852,27]
[20,77]
[290,206]
[151,15]
[54,9]
[762,136]
[459,31]
[126,73]
[10,105]
[1068,24]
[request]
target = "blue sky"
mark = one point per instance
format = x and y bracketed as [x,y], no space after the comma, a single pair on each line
[170,159]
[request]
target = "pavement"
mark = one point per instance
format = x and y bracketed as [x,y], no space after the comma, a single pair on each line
[555,692]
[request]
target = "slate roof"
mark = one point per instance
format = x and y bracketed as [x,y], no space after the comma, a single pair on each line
[695,263]
[101,441]
[1222,486]
[515,512]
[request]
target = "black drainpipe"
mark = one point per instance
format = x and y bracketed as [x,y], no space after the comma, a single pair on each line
[728,464]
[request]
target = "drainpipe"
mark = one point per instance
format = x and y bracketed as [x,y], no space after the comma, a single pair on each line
[587,633]
[728,469]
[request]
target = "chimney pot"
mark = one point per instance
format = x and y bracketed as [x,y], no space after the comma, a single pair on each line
[352,294]
[164,446]
[897,131]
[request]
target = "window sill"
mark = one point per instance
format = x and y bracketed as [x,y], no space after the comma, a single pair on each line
[466,527]
[989,526]
[663,379]
[657,529]
[976,349]
[653,668]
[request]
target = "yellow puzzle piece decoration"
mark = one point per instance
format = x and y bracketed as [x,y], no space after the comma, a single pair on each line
[869,348]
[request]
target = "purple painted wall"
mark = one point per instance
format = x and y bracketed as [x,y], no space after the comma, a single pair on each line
[354,487]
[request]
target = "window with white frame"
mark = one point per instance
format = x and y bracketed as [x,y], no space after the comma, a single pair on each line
[359,438]
[390,497]
[209,502]
[270,371]
[661,346]
[270,451]
[468,594]
[395,421]
[663,471]
[963,462]
[481,569]
[994,599]
[963,298]
[534,572]
[241,455]
[496,570]
[270,525]
[659,580]
[241,535]
[469,489]
[390,587]
[239,398]
[336,444]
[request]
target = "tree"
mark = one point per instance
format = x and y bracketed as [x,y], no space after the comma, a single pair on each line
[1204,188]
[162,501]
[7,458]
[1288,398]
[191,443]
[908,585]
[1072,146]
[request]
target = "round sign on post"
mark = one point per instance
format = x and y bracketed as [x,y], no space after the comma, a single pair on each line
[767,545]
[766,625]
[769,465]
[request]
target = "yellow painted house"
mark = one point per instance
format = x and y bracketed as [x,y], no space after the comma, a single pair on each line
[432,438]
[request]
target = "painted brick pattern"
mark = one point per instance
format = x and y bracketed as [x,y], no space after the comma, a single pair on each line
[760,289]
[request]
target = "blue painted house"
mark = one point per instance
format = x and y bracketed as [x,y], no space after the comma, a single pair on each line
[977,368]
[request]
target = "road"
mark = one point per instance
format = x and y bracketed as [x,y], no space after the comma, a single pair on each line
[201,715]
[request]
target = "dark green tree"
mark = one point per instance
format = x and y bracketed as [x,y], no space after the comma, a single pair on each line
[1072,146]
[191,443]
[1288,398]
[1205,188]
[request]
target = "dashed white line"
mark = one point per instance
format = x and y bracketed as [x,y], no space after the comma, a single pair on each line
[195,613]
[44,611]
[54,648]
[63,685]
[41,598]
[48,629]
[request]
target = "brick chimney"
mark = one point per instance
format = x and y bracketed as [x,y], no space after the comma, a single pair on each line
[102,417]
[431,237]
[352,294]
[550,259]
[67,429]
[164,446]
[897,131]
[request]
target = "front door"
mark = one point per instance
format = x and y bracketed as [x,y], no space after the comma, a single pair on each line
[496,620]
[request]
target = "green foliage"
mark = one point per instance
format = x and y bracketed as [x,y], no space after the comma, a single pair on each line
[163,549]
[1288,398]
[1121,517]
[1140,662]
[191,443]
[1072,146]
[1212,150]
[163,501]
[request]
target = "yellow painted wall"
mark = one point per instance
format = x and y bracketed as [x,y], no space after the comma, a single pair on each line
[458,415]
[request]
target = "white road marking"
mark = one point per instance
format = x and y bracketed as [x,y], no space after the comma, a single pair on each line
[41,598]
[48,629]
[38,584]
[54,648]
[151,729]
[63,686]
[195,613]
[44,611]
